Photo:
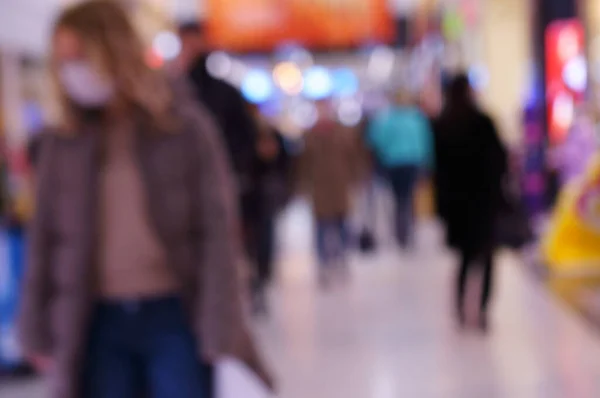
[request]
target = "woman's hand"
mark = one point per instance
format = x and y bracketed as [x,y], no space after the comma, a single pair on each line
[41,363]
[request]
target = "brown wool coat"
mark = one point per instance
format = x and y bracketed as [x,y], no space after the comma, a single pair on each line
[330,165]
[193,208]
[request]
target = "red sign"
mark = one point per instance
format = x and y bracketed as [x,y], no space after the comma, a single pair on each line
[249,25]
[566,75]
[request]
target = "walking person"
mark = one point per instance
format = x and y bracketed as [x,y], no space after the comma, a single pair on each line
[401,138]
[133,277]
[231,113]
[272,190]
[329,164]
[470,165]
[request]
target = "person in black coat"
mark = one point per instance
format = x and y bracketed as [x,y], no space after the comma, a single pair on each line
[470,165]
[229,109]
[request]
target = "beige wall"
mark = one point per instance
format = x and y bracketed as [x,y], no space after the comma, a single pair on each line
[11,99]
[506,51]
[592,21]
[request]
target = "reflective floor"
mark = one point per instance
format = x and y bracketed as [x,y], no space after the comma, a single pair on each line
[388,333]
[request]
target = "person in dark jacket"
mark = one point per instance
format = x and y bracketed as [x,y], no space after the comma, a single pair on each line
[229,109]
[232,114]
[470,165]
[273,188]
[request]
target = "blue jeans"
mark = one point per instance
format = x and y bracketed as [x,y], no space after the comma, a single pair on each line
[143,348]
[404,180]
[332,240]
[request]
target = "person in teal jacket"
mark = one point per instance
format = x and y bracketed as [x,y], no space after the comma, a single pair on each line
[402,141]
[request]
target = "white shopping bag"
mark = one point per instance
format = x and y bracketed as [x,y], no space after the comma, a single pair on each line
[234,380]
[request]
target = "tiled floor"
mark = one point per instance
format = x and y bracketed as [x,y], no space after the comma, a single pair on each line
[388,333]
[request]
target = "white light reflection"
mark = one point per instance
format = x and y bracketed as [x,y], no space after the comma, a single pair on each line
[167,45]
[219,65]
[575,74]
[349,112]
[479,77]
[305,114]
[301,57]
[381,64]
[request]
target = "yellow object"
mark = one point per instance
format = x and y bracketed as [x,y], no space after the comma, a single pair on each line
[23,208]
[572,243]
[424,200]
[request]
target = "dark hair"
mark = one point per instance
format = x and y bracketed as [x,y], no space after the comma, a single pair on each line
[459,101]
[458,93]
[190,27]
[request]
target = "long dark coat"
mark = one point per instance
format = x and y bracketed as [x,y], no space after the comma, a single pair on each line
[470,165]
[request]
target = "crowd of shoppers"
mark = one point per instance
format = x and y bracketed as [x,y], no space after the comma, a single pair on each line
[155,192]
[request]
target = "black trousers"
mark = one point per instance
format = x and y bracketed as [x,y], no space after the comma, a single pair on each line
[264,250]
[471,261]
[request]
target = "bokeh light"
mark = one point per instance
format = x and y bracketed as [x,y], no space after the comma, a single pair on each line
[318,83]
[257,86]
[381,64]
[575,74]
[219,65]
[167,45]
[304,115]
[345,82]
[349,112]
[288,77]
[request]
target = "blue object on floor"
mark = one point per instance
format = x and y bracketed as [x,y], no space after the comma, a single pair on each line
[12,253]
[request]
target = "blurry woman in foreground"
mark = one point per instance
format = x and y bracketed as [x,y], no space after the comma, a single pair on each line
[470,166]
[133,274]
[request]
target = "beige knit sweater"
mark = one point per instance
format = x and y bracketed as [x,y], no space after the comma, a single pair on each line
[133,263]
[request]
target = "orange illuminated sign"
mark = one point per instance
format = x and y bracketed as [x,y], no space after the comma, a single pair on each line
[247,25]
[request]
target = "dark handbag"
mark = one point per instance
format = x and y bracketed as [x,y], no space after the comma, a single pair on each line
[513,229]
[366,241]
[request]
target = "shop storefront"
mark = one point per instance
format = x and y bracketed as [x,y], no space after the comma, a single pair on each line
[572,91]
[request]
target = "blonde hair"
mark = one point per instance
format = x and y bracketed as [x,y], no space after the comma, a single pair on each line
[112,44]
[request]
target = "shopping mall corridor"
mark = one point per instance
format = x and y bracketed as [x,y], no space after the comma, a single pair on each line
[388,333]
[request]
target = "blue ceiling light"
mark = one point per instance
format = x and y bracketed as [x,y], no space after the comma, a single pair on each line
[318,83]
[345,82]
[257,86]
